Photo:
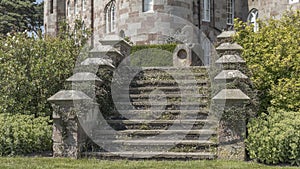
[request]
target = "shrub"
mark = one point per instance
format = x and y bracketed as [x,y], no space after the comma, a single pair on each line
[33,69]
[275,138]
[23,134]
[286,94]
[273,56]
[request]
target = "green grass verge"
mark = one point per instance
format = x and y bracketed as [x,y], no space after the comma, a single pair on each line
[61,163]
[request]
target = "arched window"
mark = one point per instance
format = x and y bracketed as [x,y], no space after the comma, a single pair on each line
[147,5]
[206,10]
[68,8]
[252,18]
[110,17]
[75,7]
[83,5]
[293,1]
[51,6]
[230,11]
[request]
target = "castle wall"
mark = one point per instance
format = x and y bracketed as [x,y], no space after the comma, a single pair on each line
[135,23]
[144,27]
[218,18]
[54,16]
[273,8]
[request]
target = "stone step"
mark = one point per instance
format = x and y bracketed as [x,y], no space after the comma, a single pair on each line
[196,83]
[147,142]
[163,114]
[201,134]
[177,99]
[155,104]
[202,111]
[161,124]
[167,89]
[191,68]
[158,106]
[154,144]
[171,100]
[170,75]
[170,95]
[156,132]
[151,155]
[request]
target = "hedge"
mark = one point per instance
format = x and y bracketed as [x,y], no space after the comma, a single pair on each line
[275,138]
[152,55]
[23,134]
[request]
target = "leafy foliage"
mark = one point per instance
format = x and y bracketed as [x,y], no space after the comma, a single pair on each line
[33,69]
[275,138]
[273,55]
[20,15]
[23,134]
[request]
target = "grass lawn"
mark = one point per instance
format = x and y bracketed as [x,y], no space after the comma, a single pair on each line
[47,163]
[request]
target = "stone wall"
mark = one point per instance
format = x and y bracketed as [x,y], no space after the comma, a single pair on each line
[143,27]
[52,18]
[273,8]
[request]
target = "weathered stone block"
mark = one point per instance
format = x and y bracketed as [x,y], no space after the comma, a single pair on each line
[84,77]
[100,62]
[68,136]
[226,75]
[188,55]
[235,95]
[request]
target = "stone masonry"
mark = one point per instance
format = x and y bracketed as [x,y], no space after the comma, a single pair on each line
[273,8]
[142,27]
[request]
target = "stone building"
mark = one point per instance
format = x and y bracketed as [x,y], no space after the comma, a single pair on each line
[264,9]
[272,8]
[135,17]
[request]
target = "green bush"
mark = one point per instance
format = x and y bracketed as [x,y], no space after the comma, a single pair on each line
[152,55]
[23,134]
[286,94]
[275,138]
[273,56]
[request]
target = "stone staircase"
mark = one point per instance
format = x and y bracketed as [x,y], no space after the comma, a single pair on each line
[164,118]
[160,113]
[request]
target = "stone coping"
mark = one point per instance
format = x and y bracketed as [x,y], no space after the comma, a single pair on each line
[84,76]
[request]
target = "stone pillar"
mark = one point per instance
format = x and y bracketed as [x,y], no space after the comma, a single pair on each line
[232,126]
[119,45]
[68,136]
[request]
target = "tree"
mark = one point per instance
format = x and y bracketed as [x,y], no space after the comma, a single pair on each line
[20,15]
[35,68]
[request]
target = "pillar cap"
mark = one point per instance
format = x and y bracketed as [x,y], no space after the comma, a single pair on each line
[114,40]
[231,94]
[226,34]
[83,77]
[225,59]
[230,74]
[98,62]
[69,95]
[103,50]
[227,46]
